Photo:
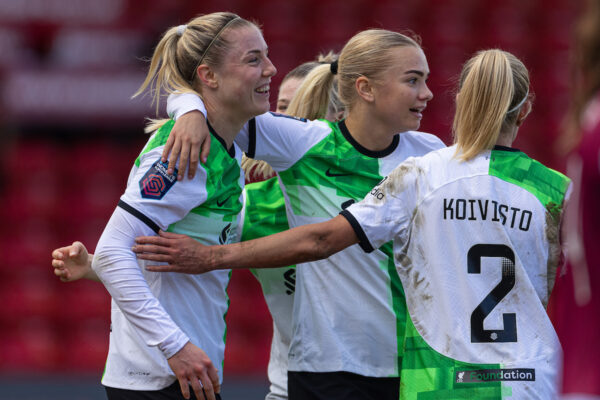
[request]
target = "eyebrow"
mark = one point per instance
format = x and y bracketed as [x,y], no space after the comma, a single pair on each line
[414,71]
[257,51]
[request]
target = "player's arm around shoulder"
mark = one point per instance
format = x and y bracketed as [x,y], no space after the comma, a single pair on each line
[279,139]
[189,139]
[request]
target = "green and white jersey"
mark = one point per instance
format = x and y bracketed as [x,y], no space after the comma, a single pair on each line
[154,314]
[476,245]
[349,310]
[264,214]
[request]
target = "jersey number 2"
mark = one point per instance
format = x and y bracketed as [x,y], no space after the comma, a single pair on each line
[509,333]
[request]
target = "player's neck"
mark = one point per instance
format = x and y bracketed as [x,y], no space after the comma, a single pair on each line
[507,138]
[225,124]
[367,131]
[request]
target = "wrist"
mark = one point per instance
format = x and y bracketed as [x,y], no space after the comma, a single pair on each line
[173,343]
[91,275]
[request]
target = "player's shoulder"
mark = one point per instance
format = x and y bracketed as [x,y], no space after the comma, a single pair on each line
[285,119]
[296,130]
[547,184]
[431,166]
[422,138]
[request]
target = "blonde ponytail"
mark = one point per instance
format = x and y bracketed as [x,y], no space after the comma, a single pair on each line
[182,48]
[311,101]
[492,83]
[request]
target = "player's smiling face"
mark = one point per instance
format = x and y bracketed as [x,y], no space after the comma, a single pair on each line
[401,92]
[245,74]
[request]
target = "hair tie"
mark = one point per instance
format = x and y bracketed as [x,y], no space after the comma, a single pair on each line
[181,29]
[515,108]
[334,67]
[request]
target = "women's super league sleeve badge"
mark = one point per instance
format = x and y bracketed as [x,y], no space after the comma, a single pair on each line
[156,182]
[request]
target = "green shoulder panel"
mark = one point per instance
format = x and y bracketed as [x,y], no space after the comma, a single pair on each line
[548,185]
[159,139]
[331,164]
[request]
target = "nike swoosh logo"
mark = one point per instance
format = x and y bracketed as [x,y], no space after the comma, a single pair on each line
[333,174]
[220,203]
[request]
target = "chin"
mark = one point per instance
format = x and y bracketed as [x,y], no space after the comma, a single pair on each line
[406,127]
[263,109]
[413,126]
[256,112]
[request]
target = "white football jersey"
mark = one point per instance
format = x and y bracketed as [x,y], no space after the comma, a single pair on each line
[349,310]
[154,314]
[476,245]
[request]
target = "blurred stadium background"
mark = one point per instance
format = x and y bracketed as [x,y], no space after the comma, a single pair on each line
[70,133]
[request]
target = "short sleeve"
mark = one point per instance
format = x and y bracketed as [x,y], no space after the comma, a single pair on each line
[279,139]
[182,103]
[386,211]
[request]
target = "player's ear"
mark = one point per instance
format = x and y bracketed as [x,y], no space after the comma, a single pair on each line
[207,76]
[524,112]
[364,88]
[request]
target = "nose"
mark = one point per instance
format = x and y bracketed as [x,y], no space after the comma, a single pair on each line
[426,94]
[269,69]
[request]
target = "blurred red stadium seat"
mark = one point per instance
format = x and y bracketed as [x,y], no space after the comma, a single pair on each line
[249,326]
[31,156]
[26,297]
[82,300]
[31,346]
[246,355]
[84,346]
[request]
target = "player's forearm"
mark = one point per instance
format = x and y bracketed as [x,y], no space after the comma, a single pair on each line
[305,243]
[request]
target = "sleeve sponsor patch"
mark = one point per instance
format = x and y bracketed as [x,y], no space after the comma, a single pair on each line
[156,182]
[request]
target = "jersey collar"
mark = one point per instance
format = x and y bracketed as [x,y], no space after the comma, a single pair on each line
[231,150]
[504,148]
[363,150]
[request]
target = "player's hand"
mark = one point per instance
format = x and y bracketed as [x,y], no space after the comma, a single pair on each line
[192,367]
[189,133]
[181,252]
[72,263]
